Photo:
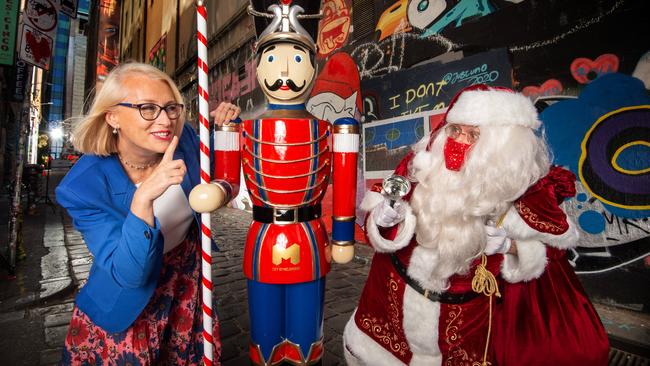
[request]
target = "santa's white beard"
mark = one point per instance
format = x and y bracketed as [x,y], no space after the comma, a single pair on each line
[453,238]
[452,207]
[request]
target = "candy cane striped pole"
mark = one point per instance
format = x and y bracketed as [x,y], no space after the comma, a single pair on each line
[204,131]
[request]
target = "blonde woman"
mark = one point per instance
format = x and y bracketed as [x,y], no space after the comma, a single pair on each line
[128,197]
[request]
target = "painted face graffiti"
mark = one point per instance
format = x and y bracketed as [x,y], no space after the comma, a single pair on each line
[334,27]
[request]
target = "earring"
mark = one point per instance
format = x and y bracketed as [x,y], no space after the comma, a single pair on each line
[114,131]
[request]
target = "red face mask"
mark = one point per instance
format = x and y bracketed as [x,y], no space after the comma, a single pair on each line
[455,154]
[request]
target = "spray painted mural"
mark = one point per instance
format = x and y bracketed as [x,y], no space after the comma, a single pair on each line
[334,27]
[234,81]
[431,86]
[603,136]
[556,51]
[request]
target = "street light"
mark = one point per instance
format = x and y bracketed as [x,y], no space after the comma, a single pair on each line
[56,134]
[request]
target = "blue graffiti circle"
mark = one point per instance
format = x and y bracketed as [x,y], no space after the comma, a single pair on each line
[615,139]
[423,5]
[592,222]
[581,197]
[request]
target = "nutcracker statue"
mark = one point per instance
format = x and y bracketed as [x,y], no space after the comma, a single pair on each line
[287,156]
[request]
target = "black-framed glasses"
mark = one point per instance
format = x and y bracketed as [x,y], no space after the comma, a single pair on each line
[151,111]
[454,131]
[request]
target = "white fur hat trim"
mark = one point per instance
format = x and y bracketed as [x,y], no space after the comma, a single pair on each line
[493,108]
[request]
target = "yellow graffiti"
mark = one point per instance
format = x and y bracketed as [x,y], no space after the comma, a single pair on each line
[413,97]
[620,150]
[393,20]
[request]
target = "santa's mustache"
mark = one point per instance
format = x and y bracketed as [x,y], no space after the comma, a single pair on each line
[290,83]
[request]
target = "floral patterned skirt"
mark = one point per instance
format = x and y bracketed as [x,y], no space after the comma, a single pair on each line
[167,332]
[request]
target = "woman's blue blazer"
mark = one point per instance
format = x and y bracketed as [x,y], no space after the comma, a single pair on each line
[127,252]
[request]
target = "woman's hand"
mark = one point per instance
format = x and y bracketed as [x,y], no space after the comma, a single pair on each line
[225,113]
[167,173]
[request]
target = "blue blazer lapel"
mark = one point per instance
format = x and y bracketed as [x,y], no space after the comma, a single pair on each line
[119,183]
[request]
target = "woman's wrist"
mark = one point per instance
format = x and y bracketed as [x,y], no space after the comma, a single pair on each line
[142,208]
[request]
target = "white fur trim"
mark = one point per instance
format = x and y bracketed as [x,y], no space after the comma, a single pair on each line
[518,229]
[405,232]
[346,143]
[367,351]
[226,141]
[493,107]
[371,200]
[420,268]
[529,262]
[421,318]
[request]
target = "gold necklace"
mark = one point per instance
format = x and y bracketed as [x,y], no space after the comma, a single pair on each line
[138,167]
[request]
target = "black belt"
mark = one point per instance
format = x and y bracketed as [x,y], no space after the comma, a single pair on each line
[445,297]
[270,215]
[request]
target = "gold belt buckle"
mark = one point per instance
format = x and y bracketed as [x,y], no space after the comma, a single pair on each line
[277,213]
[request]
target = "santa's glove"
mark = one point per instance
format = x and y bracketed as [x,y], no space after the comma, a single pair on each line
[386,216]
[496,241]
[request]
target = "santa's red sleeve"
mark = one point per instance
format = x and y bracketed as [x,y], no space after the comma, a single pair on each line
[388,240]
[535,220]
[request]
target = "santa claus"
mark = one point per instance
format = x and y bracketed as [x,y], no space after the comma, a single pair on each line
[430,294]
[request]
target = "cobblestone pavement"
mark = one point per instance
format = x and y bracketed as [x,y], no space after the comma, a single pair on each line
[229,231]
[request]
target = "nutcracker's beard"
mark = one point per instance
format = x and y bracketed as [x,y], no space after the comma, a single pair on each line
[452,206]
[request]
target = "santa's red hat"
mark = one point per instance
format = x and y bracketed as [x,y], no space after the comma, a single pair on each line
[482,105]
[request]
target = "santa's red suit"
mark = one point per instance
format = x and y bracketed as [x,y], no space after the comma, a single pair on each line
[457,319]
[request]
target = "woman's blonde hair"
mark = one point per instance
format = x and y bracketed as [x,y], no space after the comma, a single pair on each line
[92,134]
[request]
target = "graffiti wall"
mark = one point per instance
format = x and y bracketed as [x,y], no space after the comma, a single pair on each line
[564,54]
[431,86]
[234,80]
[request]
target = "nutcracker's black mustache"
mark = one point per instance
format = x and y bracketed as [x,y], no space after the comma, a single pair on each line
[278,84]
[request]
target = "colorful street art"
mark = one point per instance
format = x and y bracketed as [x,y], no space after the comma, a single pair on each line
[337,94]
[603,136]
[234,81]
[334,27]
[429,17]
[337,90]
[431,86]
[548,88]
[585,70]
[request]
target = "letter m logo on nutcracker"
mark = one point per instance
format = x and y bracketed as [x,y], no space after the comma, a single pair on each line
[280,252]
